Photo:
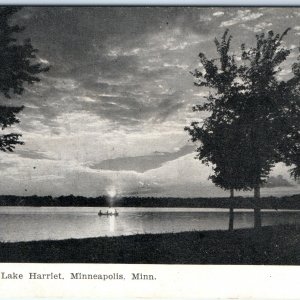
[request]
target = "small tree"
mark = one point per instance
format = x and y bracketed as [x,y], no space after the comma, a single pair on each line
[17,67]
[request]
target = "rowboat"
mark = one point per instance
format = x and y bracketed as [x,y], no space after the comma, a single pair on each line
[100,213]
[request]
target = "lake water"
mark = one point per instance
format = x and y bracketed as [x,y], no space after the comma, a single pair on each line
[43,223]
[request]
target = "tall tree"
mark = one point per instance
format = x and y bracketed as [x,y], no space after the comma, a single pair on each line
[18,65]
[249,115]
[267,108]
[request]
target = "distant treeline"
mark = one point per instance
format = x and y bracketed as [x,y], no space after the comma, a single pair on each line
[287,202]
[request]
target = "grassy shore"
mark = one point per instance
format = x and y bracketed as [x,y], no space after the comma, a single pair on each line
[270,245]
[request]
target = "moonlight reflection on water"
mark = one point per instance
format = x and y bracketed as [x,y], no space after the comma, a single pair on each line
[111,223]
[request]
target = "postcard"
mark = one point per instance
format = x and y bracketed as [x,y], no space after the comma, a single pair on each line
[150,152]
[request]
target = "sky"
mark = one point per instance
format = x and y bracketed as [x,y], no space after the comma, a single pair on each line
[109,116]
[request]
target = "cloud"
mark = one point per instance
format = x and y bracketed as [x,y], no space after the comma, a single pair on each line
[218,13]
[143,163]
[242,16]
[118,96]
[26,153]
[277,181]
[257,27]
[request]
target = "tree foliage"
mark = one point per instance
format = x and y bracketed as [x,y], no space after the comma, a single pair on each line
[254,115]
[265,109]
[220,135]
[18,65]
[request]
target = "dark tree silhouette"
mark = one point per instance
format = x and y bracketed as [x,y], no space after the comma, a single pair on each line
[251,124]
[290,146]
[18,65]
[219,134]
[269,112]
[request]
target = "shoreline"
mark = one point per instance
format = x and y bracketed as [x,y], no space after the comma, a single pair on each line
[270,202]
[92,209]
[271,245]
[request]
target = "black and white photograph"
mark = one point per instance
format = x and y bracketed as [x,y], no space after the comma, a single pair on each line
[150,135]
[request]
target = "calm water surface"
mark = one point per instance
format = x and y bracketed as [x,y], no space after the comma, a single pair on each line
[43,223]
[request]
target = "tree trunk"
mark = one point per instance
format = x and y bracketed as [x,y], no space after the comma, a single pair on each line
[231,214]
[257,212]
